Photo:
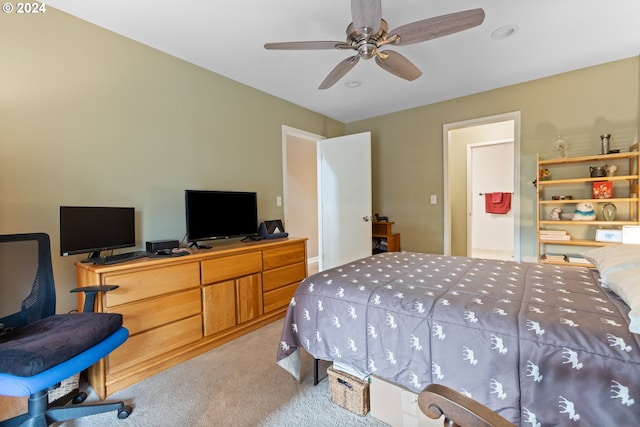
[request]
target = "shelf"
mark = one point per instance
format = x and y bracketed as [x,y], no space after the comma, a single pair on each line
[601,223]
[381,230]
[576,264]
[584,159]
[576,242]
[590,179]
[625,184]
[612,200]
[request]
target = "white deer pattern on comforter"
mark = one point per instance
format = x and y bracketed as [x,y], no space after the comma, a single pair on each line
[544,345]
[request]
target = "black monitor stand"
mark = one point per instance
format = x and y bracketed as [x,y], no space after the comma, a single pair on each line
[199,246]
[91,257]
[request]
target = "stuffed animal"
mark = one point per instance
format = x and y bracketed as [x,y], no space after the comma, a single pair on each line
[543,175]
[555,214]
[584,212]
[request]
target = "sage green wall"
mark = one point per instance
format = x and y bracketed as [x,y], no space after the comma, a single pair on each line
[88,117]
[578,105]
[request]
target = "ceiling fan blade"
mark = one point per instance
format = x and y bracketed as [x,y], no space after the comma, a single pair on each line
[366,15]
[398,65]
[339,71]
[438,26]
[314,45]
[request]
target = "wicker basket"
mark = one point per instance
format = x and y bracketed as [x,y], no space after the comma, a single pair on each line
[66,386]
[348,391]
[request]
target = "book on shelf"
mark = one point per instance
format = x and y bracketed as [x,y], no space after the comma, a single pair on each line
[555,232]
[577,258]
[555,257]
[556,235]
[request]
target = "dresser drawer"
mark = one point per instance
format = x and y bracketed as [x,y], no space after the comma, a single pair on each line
[151,313]
[231,267]
[155,342]
[278,277]
[279,297]
[141,284]
[284,255]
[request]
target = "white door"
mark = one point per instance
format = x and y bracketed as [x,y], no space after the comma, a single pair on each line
[490,170]
[344,199]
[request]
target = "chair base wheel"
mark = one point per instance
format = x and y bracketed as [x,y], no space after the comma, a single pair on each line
[125,412]
[80,397]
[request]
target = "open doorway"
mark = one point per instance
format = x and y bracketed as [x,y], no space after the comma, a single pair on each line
[300,188]
[327,195]
[460,194]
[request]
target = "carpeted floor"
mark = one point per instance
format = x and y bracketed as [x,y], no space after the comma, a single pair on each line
[237,384]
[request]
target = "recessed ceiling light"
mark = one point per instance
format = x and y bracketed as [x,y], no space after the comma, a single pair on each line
[504,32]
[352,83]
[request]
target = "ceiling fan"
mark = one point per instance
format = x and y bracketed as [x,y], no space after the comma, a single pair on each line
[369,32]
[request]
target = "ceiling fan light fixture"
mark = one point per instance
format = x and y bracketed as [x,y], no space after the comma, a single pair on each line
[352,84]
[369,32]
[504,32]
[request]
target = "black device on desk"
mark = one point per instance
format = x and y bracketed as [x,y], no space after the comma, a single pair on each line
[156,245]
[272,229]
[169,253]
[381,218]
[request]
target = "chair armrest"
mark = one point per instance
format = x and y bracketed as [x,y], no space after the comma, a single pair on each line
[90,293]
[458,410]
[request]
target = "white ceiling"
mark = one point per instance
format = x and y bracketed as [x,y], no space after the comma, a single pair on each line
[227,37]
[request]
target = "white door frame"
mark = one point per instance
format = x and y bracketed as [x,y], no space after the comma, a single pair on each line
[446,128]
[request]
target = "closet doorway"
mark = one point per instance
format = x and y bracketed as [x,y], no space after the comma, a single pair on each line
[481,156]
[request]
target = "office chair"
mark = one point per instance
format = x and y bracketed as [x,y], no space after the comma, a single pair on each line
[39,349]
[458,410]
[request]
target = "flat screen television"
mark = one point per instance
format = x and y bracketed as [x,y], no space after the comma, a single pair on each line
[214,215]
[91,229]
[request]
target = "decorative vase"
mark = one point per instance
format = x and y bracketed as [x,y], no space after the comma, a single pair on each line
[605,142]
[609,211]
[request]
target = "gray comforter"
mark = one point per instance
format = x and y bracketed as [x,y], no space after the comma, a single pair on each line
[542,345]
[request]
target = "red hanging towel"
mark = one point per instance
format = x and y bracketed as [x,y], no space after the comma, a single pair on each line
[501,207]
[496,198]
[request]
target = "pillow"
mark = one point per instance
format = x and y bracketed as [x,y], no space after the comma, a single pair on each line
[609,259]
[626,284]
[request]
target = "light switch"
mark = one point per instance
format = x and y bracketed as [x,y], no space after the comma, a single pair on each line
[278,201]
[434,199]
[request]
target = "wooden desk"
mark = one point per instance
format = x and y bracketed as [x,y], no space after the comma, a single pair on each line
[382,232]
[177,308]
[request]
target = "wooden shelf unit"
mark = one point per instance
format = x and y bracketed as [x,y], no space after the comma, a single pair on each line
[177,308]
[381,231]
[572,175]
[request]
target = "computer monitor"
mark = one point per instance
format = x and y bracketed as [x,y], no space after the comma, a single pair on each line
[91,229]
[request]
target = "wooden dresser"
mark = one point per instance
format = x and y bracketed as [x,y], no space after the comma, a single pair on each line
[177,308]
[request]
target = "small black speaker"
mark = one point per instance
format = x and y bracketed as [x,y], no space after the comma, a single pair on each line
[157,245]
[272,229]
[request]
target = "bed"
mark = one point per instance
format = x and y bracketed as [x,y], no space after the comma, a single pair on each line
[540,344]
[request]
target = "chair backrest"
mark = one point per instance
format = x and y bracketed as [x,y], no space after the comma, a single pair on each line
[459,410]
[27,289]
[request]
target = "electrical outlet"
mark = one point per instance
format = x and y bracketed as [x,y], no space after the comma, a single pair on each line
[434,199]
[278,201]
